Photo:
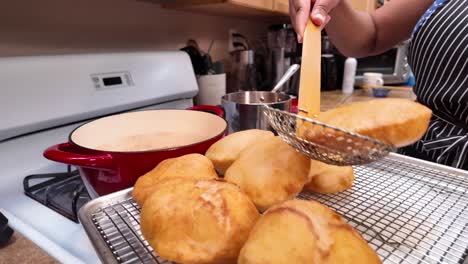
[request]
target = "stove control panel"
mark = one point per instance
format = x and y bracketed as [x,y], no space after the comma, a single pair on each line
[85,86]
[112,80]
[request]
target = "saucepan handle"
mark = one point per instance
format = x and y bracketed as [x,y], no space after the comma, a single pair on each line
[66,153]
[209,108]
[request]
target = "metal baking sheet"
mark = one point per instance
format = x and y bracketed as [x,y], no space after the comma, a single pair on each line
[409,211]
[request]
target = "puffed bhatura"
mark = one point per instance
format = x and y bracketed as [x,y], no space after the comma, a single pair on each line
[191,166]
[225,151]
[326,178]
[396,121]
[298,231]
[197,221]
[269,172]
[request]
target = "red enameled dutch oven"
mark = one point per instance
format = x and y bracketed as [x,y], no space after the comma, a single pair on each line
[113,151]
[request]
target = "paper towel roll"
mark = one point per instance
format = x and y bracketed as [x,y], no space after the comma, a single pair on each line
[211,89]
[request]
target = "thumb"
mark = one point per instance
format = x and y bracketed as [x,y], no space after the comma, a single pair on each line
[319,14]
[300,11]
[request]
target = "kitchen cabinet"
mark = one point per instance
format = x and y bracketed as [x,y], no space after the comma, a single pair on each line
[281,6]
[260,4]
[258,9]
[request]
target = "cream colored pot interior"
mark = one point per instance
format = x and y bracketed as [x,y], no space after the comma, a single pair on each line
[148,130]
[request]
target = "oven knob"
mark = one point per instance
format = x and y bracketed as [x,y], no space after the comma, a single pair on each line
[6,232]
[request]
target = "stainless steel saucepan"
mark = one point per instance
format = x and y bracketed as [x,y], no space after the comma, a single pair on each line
[244,110]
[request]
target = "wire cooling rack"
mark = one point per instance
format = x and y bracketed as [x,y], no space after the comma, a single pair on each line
[409,211]
[119,225]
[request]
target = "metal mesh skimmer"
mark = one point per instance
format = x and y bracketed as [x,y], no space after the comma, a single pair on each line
[323,142]
[409,211]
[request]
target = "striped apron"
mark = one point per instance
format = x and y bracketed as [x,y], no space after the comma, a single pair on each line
[438,56]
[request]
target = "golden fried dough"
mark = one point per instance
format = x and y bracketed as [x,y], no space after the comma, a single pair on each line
[298,231]
[225,151]
[197,221]
[326,178]
[396,121]
[269,172]
[192,166]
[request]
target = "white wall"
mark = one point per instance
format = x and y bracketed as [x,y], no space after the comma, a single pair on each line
[70,26]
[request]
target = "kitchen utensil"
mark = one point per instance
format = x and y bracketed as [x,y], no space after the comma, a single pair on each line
[112,152]
[326,143]
[287,75]
[315,139]
[394,88]
[245,72]
[244,110]
[409,210]
[309,85]
[211,46]
[201,62]
[218,67]
[281,53]
[197,59]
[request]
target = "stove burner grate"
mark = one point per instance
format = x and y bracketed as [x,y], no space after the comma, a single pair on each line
[62,192]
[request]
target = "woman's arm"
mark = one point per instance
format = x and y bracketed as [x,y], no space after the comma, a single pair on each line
[359,34]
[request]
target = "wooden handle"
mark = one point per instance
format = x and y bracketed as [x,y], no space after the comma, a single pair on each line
[309,85]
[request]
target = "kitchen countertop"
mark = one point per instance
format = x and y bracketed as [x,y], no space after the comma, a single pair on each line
[332,99]
[21,250]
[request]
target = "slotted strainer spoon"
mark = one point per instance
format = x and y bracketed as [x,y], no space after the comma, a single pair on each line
[315,139]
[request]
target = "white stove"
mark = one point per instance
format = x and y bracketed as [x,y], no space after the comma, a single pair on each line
[43,98]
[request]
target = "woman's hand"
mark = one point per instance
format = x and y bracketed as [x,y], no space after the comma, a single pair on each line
[358,33]
[301,11]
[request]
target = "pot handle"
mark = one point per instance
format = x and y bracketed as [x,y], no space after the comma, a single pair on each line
[209,108]
[65,153]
